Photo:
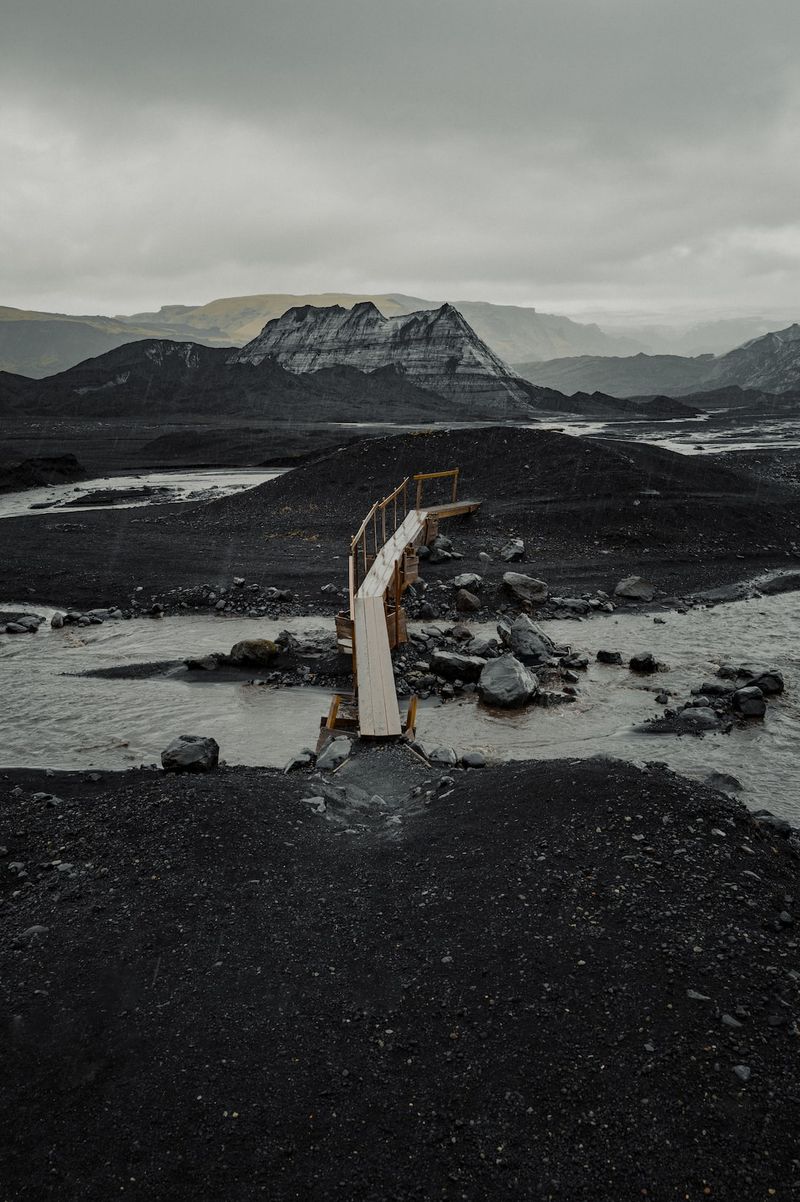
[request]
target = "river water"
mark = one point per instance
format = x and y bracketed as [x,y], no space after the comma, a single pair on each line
[174,486]
[62,721]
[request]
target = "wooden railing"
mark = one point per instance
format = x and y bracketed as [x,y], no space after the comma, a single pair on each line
[375,529]
[383,520]
[421,477]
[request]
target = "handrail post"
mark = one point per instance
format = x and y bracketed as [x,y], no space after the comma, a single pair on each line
[455,484]
[419,494]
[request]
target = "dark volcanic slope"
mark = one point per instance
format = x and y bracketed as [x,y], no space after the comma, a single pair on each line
[163,379]
[518,994]
[588,510]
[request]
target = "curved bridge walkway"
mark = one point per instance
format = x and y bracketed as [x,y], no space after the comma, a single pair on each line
[383,563]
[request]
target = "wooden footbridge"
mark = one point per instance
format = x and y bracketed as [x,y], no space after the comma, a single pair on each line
[383,562]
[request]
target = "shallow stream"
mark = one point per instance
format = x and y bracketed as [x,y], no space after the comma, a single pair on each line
[62,721]
[191,484]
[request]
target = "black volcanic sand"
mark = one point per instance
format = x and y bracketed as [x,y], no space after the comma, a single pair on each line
[33,472]
[590,511]
[116,447]
[237,998]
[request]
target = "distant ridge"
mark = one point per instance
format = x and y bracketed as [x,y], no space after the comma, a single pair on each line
[770,363]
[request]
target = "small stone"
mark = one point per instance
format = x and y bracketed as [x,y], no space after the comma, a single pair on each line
[742,1071]
[694,996]
[609,657]
[729,1021]
[473,759]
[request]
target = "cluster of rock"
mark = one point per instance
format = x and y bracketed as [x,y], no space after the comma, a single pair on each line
[510,670]
[20,623]
[738,694]
[288,659]
[237,598]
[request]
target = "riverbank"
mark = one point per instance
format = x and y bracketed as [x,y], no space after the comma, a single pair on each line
[539,980]
[590,511]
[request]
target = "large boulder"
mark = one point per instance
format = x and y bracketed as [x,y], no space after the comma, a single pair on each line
[260,653]
[770,682]
[469,580]
[634,588]
[513,550]
[525,588]
[506,682]
[750,702]
[335,753]
[453,666]
[191,753]
[645,662]
[528,642]
[467,602]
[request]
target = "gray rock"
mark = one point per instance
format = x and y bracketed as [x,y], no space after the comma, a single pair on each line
[467,602]
[772,822]
[743,1072]
[770,682]
[302,760]
[750,702]
[57,621]
[334,754]
[506,682]
[468,580]
[528,642]
[191,753]
[634,588]
[473,759]
[31,934]
[724,782]
[729,1021]
[525,588]
[481,645]
[698,718]
[694,996]
[646,663]
[443,755]
[574,605]
[453,666]
[609,657]
[513,550]
[257,653]
[578,662]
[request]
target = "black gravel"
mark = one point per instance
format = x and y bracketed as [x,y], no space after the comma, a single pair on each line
[551,981]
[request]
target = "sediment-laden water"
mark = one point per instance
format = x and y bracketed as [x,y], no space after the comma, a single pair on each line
[143,488]
[63,721]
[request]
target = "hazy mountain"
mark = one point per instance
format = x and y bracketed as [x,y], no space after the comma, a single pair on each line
[770,363]
[161,380]
[38,344]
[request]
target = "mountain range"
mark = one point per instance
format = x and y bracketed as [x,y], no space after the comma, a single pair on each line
[770,363]
[310,365]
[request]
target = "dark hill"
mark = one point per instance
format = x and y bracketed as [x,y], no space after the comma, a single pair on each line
[589,510]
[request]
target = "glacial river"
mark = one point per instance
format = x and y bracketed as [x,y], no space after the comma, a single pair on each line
[63,721]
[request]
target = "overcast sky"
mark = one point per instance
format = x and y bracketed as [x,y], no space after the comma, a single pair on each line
[576,155]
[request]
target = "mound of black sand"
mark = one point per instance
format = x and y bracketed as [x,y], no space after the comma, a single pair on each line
[589,510]
[36,471]
[559,981]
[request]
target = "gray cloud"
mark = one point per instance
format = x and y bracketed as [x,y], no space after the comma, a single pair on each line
[606,154]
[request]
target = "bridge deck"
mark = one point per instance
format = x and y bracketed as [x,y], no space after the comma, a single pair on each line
[378,711]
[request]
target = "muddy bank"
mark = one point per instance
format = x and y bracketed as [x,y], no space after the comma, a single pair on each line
[588,510]
[552,980]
